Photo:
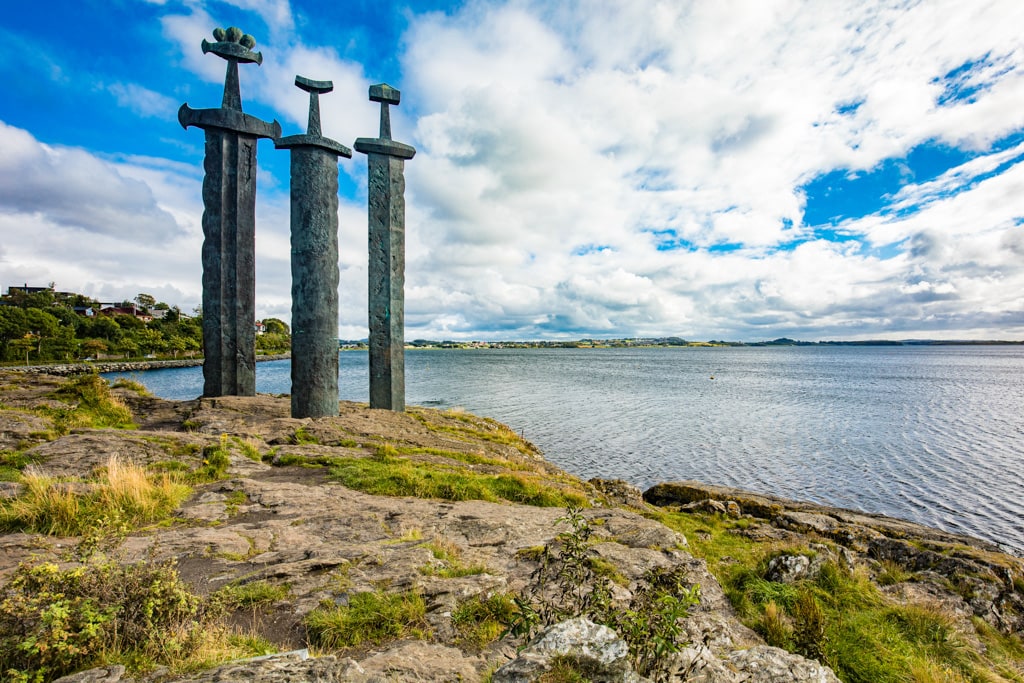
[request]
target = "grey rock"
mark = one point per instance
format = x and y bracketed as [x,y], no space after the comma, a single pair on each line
[788,568]
[106,674]
[596,651]
[420,661]
[765,664]
[619,492]
[287,668]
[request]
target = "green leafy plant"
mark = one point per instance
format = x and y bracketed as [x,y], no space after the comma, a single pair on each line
[566,585]
[55,620]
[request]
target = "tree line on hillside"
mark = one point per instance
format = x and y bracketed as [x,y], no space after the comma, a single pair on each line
[41,325]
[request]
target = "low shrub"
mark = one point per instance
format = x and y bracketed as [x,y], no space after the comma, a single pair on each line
[566,585]
[54,620]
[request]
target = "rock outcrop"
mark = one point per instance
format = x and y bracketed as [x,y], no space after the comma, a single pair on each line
[948,568]
[279,514]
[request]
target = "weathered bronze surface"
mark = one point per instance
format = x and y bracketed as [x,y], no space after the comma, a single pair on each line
[387,256]
[229,224]
[314,238]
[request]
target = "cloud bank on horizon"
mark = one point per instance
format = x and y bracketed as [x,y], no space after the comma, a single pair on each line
[738,170]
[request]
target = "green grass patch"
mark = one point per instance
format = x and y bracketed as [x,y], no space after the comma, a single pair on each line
[449,563]
[302,437]
[479,621]
[216,460]
[13,463]
[124,494]
[468,458]
[132,385]
[296,460]
[399,477]
[494,431]
[90,405]
[841,617]
[368,618]
[250,448]
[254,594]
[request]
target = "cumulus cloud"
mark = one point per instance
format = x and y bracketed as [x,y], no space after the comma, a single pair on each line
[77,190]
[638,168]
[600,168]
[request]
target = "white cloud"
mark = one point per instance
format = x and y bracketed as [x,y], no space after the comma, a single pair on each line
[142,100]
[604,168]
[544,132]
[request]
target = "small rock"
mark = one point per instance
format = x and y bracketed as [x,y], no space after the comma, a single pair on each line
[788,568]
[708,505]
[105,674]
[595,649]
[765,664]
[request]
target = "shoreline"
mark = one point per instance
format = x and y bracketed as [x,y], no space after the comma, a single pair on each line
[698,490]
[65,369]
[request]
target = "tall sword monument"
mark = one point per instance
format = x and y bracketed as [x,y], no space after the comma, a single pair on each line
[229,224]
[314,223]
[387,256]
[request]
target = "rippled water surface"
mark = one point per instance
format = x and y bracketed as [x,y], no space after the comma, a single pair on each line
[932,434]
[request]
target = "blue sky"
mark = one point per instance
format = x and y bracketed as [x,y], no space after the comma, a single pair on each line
[744,169]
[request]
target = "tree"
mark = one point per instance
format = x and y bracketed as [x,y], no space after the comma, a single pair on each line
[276,326]
[145,301]
[272,342]
[94,347]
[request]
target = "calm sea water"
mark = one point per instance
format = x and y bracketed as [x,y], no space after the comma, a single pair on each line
[931,434]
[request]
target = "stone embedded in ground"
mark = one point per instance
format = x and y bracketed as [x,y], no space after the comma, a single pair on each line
[595,651]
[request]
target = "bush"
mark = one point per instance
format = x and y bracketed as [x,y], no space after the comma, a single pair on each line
[569,584]
[55,620]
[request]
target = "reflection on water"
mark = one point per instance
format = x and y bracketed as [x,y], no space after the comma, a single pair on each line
[931,434]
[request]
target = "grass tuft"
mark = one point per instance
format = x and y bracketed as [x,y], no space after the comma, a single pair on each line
[123,495]
[479,621]
[368,618]
[90,405]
